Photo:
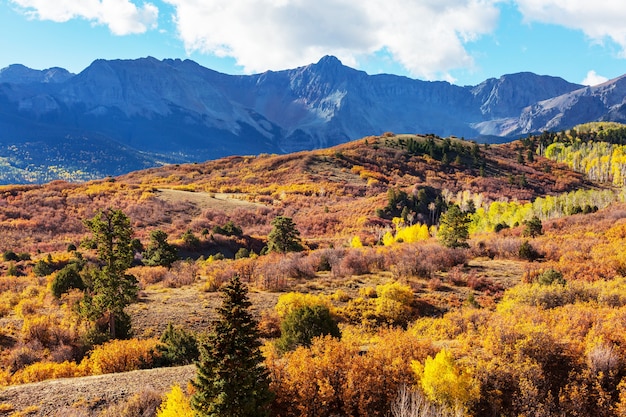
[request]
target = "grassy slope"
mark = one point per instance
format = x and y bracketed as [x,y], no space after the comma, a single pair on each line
[331,194]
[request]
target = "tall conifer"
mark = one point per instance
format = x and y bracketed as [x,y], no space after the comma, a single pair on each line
[231,380]
[111,289]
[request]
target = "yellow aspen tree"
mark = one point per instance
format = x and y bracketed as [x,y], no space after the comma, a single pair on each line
[444,382]
[356,242]
[388,239]
[176,404]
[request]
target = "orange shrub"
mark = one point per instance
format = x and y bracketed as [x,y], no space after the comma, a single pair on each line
[8,300]
[21,356]
[180,274]
[28,306]
[46,330]
[275,271]
[334,377]
[122,356]
[147,275]
[353,263]
[42,371]
[216,274]
[143,403]
[617,232]
[423,259]
[5,379]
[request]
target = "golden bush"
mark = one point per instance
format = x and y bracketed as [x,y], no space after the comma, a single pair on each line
[41,371]
[122,356]
[295,300]
[28,306]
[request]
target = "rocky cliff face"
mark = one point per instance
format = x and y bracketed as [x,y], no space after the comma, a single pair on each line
[175,110]
[508,95]
[604,102]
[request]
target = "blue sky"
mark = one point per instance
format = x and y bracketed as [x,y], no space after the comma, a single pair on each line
[461,41]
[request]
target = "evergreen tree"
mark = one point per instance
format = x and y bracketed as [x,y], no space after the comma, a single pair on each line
[42,268]
[111,289]
[284,236]
[191,241]
[523,182]
[10,256]
[231,380]
[229,229]
[159,251]
[533,227]
[66,279]
[177,346]
[453,228]
[475,152]
[471,207]
[526,251]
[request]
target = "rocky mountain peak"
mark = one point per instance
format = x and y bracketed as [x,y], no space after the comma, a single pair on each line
[183,111]
[511,93]
[20,74]
[329,61]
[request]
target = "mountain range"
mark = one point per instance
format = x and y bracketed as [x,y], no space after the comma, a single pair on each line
[122,115]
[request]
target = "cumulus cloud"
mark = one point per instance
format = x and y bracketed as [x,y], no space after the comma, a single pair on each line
[123,17]
[593,78]
[599,20]
[427,37]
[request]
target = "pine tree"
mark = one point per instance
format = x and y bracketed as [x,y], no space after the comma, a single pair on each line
[284,236]
[453,228]
[533,227]
[111,289]
[177,346]
[159,251]
[231,380]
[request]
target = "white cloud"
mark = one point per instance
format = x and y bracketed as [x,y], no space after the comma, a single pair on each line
[121,16]
[599,20]
[427,37]
[593,78]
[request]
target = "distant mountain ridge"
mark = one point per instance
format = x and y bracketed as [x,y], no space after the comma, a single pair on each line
[122,115]
[19,74]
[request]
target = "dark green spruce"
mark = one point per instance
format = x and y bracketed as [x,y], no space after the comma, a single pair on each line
[231,380]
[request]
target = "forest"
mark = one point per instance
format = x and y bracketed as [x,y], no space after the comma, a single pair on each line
[397,275]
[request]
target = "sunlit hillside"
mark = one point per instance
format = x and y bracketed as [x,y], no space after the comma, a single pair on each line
[463,279]
[332,194]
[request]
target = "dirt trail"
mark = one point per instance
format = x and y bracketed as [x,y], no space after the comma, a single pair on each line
[223,201]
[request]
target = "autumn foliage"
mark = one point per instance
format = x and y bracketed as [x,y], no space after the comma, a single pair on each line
[477,328]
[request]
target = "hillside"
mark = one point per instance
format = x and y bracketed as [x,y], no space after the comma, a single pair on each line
[526,318]
[118,116]
[331,194]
